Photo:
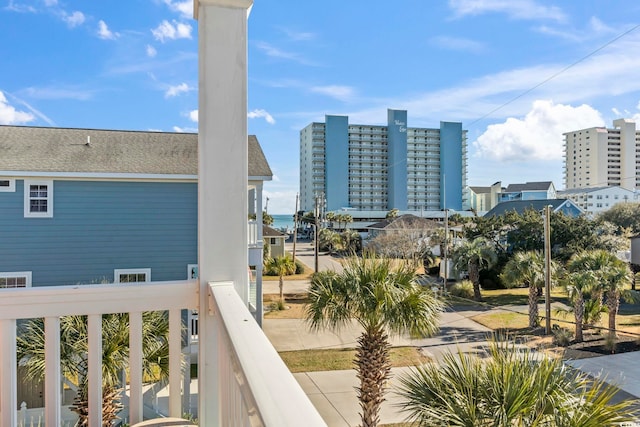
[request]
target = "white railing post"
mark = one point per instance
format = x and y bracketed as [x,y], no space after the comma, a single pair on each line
[94,374]
[135,368]
[175,367]
[52,378]
[8,368]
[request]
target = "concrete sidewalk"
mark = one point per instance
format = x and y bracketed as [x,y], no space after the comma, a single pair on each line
[333,392]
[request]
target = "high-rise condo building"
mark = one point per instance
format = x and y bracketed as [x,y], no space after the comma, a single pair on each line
[601,157]
[379,168]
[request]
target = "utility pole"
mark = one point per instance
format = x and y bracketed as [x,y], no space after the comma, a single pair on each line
[295,230]
[266,206]
[315,234]
[547,269]
[446,241]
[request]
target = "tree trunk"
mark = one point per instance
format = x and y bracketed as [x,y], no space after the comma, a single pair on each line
[533,306]
[281,284]
[474,276]
[373,368]
[578,311]
[613,303]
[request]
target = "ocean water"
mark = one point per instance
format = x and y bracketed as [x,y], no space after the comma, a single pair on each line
[282,221]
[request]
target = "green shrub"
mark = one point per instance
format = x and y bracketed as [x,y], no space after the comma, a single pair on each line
[462,289]
[562,336]
[299,267]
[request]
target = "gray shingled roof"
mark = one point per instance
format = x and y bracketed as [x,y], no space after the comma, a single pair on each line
[42,149]
[405,222]
[529,186]
[520,206]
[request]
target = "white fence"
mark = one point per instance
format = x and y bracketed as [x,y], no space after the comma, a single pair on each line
[254,385]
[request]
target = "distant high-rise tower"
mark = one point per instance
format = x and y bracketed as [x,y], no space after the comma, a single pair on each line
[379,168]
[600,157]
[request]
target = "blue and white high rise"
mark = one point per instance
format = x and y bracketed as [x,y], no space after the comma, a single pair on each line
[379,168]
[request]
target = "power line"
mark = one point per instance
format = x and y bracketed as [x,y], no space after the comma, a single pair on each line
[554,75]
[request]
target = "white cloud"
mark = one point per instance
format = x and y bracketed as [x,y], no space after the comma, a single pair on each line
[10,116]
[20,8]
[50,3]
[261,113]
[515,9]
[538,136]
[193,116]
[74,19]
[177,90]
[184,130]
[342,93]
[275,52]
[456,43]
[151,51]
[172,31]
[57,92]
[184,8]
[297,35]
[105,33]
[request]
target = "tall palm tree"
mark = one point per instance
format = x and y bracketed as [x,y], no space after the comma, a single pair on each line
[514,387]
[384,300]
[282,266]
[528,269]
[115,353]
[473,256]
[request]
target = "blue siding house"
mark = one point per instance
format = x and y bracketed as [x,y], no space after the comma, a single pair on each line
[83,206]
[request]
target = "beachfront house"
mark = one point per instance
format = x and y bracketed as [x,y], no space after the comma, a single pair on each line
[241,379]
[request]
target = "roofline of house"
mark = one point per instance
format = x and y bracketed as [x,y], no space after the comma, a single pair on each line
[112,176]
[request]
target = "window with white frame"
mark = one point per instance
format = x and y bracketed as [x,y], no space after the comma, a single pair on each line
[38,199]
[20,279]
[7,185]
[132,275]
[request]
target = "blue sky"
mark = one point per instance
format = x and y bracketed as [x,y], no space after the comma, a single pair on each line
[516,73]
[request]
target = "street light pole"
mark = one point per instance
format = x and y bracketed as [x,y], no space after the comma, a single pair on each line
[315,234]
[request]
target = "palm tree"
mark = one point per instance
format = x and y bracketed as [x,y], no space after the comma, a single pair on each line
[473,256]
[115,352]
[579,284]
[527,268]
[351,241]
[513,387]
[282,266]
[612,277]
[383,300]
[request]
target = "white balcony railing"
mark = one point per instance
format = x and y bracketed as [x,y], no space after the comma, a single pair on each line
[252,235]
[254,385]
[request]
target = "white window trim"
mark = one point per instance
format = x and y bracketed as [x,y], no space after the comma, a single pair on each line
[27,199]
[25,274]
[11,188]
[190,268]
[118,271]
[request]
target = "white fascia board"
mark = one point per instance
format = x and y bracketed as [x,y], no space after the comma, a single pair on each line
[100,176]
[260,178]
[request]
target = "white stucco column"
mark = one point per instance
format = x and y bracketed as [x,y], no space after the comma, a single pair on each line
[222,174]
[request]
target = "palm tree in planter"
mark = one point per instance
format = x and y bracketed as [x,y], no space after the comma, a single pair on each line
[527,268]
[383,300]
[474,256]
[74,349]
[281,266]
[513,387]
[578,284]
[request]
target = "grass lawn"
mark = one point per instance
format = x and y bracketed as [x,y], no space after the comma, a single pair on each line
[517,296]
[342,359]
[294,303]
